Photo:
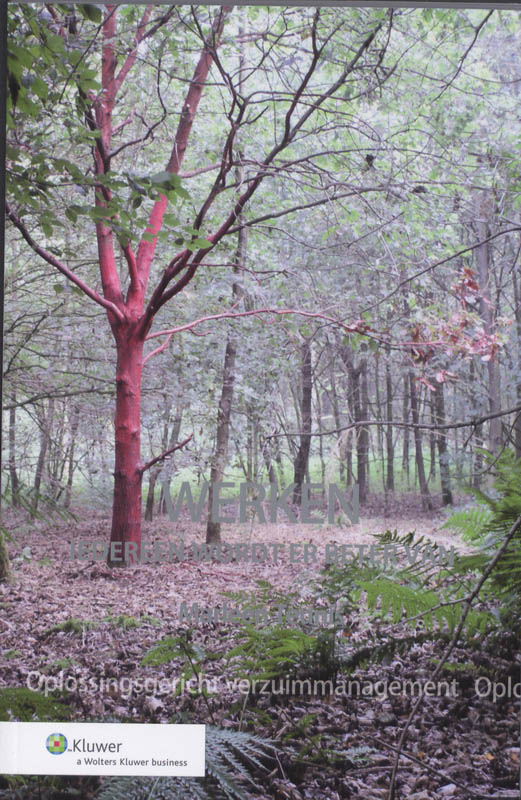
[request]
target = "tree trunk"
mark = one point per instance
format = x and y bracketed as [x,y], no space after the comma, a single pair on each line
[363,435]
[277,453]
[149,505]
[45,435]
[213,527]
[379,417]
[75,421]
[300,463]
[424,489]
[15,484]
[336,412]
[5,567]
[432,441]
[357,379]
[389,428]
[405,444]
[174,438]
[349,463]
[266,455]
[487,316]
[439,407]
[126,510]
[517,307]
[318,417]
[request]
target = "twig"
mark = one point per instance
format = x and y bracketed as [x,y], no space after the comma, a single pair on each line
[165,454]
[465,54]
[442,775]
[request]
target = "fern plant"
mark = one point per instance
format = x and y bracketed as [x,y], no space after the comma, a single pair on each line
[277,651]
[429,599]
[231,756]
[503,507]
[422,595]
[191,655]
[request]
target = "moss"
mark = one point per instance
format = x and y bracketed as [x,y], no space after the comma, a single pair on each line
[59,664]
[72,625]
[24,705]
[9,654]
[123,621]
[5,567]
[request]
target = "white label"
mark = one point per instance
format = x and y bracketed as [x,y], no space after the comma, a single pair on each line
[97,748]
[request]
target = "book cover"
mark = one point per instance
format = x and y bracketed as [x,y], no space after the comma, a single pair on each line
[261,428]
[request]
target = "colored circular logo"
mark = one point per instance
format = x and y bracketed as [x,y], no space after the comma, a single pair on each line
[56,744]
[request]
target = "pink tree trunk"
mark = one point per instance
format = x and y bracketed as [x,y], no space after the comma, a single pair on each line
[126,510]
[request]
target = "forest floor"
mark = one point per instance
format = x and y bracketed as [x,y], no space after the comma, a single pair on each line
[337,745]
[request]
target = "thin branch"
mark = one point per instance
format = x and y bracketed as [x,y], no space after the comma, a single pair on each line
[199,171]
[17,222]
[465,54]
[150,128]
[311,204]
[356,327]
[165,454]
[423,426]
[440,263]
[46,395]
[442,775]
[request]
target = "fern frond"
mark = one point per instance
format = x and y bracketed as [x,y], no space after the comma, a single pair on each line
[397,598]
[472,523]
[224,749]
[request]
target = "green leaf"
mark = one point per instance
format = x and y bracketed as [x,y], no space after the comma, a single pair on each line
[21,55]
[124,239]
[170,219]
[40,88]
[202,243]
[91,12]
[163,177]
[27,106]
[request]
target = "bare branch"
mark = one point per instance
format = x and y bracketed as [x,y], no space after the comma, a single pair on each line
[165,454]
[357,327]
[423,426]
[107,304]
[439,264]
[160,295]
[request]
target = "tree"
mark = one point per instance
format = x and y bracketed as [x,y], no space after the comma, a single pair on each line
[96,114]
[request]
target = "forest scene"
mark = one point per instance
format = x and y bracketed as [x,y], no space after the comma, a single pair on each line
[261,452]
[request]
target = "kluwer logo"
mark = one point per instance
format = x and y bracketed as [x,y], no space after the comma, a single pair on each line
[56,744]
